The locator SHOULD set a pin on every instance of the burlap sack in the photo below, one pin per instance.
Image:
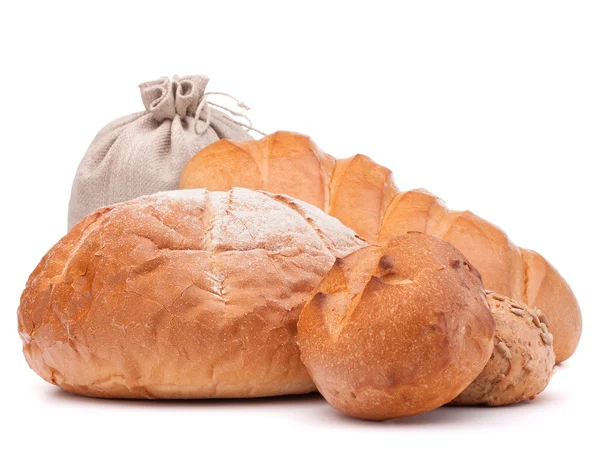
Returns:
(144, 153)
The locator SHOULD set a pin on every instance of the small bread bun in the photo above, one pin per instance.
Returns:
(522, 361)
(183, 294)
(398, 330)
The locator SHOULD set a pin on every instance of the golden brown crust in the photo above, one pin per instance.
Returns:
(231, 164)
(396, 331)
(506, 269)
(363, 196)
(545, 285)
(485, 245)
(361, 191)
(186, 294)
(291, 163)
(280, 163)
(522, 362)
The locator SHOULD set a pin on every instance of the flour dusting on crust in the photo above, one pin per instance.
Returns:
(182, 294)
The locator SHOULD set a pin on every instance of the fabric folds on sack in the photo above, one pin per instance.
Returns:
(144, 153)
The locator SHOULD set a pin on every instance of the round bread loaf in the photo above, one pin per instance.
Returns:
(184, 294)
(522, 361)
(398, 330)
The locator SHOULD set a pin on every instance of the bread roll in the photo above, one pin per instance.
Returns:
(185, 294)
(522, 361)
(363, 196)
(397, 330)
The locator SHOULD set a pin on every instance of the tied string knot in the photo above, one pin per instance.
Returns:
(204, 107)
(186, 96)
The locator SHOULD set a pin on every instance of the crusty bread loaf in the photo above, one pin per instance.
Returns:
(363, 196)
(397, 330)
(185, 294)
(522, 361)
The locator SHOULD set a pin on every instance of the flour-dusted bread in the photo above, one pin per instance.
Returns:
(362, 194)
(522, 361)
(397, 330)
(184, 294)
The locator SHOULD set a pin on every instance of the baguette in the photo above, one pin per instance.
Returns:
(362, 194)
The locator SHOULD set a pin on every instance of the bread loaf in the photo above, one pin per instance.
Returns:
(184, 294)
(363, 196)
(522, 361)
(397, 330)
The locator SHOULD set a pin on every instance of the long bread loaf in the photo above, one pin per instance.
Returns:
(362, 194)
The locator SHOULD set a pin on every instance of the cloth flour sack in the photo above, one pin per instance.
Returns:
(145, 152)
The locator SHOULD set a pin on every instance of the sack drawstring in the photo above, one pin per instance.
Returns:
(204, 106)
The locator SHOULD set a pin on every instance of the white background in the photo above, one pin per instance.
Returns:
(494, 106)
